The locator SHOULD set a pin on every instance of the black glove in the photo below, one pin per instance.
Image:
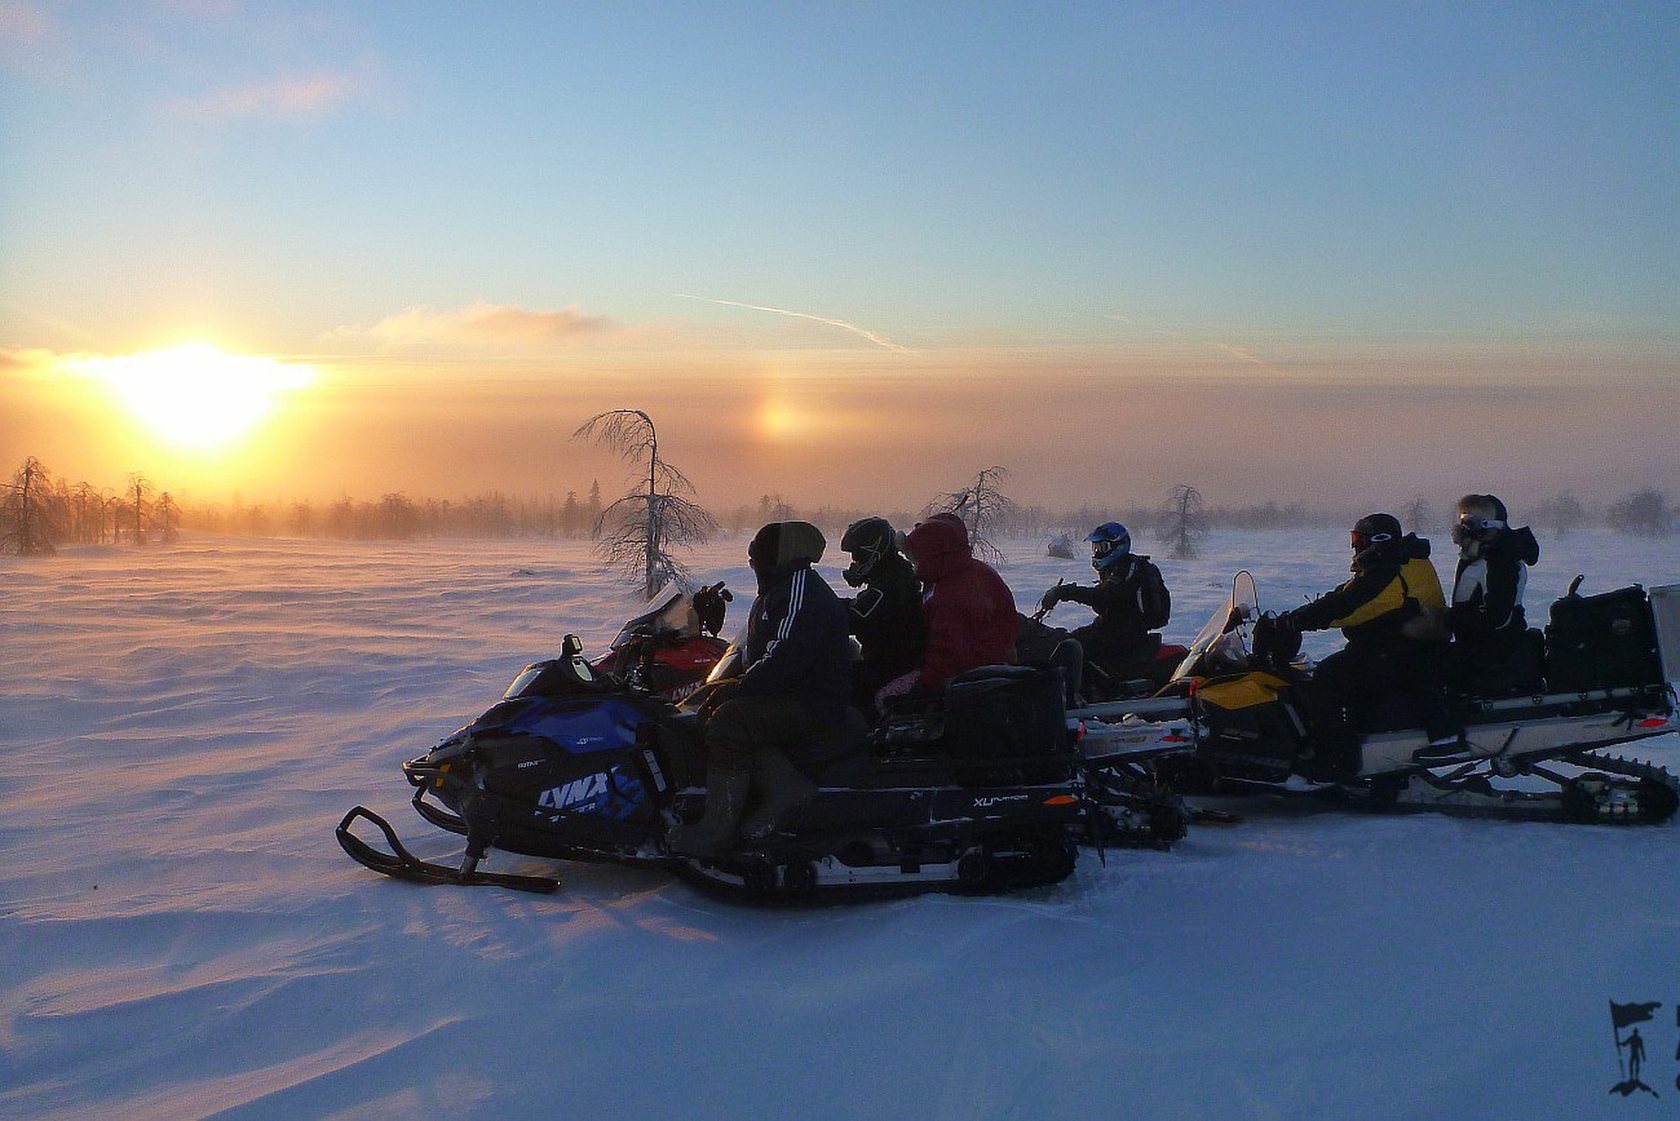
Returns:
(1052, 597)
(710, 605)
(1277, 639)
(716, 696)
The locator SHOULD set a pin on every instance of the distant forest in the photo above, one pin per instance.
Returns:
(39, 512)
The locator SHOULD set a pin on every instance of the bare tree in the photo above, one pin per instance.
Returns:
(983, 507)
(1644, 512)
(26, 523)
(1418, 515)
(636, 533)
(136, 499)
(1184, 522)
(1561, 514)
(166, 516)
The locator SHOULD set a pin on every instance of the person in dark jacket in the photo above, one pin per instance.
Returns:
(886, 614)
(1492, 645)
(790, 701)
(1393, 615)
(969, 610)
(1130, 600)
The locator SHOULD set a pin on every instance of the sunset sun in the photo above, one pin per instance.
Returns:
(196, 395)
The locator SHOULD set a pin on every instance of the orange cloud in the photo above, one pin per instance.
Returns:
(286, 97)
(480, 323)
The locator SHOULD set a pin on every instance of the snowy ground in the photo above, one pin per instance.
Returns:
(180, 936)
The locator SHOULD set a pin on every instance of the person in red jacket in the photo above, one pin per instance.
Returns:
(968, 609)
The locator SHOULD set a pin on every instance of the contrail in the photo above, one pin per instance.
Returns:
(1248, 356)
(841, 323)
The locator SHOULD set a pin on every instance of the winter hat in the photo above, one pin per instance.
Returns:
(781, 543)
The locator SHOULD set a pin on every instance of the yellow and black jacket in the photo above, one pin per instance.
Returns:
(1395, 594)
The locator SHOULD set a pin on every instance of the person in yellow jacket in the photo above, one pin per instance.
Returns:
(1390, 674)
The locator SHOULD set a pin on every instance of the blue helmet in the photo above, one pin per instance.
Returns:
(1109, 542)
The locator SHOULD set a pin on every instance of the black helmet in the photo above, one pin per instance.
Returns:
(870, 541)
(782, 543)
(1481, 517)
(1374, 529)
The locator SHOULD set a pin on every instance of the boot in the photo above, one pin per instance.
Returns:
(726, 797)
(782, 787)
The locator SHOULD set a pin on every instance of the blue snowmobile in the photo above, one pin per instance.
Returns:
(982, 792)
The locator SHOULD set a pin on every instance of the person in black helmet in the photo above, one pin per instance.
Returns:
(886, 614)
(1393, 614)
(1493, 649)
(788, 703)
(1130, 600)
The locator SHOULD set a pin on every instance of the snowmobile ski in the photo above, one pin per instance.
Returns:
(401, 864)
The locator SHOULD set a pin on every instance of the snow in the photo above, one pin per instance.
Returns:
(180, 936)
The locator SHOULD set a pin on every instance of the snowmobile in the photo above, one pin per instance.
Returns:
(1534, 756)
(1142, 673)
(574, 763)
(671, 647)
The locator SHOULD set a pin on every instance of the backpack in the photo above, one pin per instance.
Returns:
(1153, 595)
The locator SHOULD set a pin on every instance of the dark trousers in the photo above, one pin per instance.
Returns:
(1376, 686)
(745, 726)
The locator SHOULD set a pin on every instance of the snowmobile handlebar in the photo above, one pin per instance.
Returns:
(1047, 602)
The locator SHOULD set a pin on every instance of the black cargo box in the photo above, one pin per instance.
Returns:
(1604, 641)
(1005, 712)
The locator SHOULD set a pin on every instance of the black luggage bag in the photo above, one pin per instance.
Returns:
(1604, 641)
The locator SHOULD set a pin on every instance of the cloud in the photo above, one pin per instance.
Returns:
(878, 340)
(29, 363)
(24, 24)
(292, 97)
(1248, 357)
(479, 324)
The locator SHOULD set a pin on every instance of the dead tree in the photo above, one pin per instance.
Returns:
(27, 526)
(636, 533)
(166, 516)
(983, 507)
(1561, 514)
(135, 504)
(1418, 515)
(1184, 522)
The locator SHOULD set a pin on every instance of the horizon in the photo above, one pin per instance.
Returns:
(308, 250)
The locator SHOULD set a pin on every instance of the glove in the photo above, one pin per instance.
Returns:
(1277, 639)
(901, 686)
(1051, 598)
(721, 692)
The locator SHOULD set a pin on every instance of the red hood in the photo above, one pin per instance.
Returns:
(939, 546)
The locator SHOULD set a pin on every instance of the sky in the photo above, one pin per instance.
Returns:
(851, 253)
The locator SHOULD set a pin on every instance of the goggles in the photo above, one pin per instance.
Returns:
(1363, 541)
(1101, 548)
(1475, 523)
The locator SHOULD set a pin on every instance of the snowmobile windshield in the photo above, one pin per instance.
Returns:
(1221, 639)
(668, 612)
(524, 681)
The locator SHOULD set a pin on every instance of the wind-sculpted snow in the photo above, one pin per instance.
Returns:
(180, 937)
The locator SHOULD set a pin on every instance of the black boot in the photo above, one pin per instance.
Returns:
(783, 789)
(726, 797)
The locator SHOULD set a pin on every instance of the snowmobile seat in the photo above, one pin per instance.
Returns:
(1520, 671)
(845, 745)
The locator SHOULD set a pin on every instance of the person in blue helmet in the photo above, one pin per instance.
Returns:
(1130, 600)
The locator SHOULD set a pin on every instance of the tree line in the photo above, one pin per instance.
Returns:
(40, 511)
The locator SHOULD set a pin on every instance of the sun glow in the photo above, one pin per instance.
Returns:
(779, 421)
(195, 394)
